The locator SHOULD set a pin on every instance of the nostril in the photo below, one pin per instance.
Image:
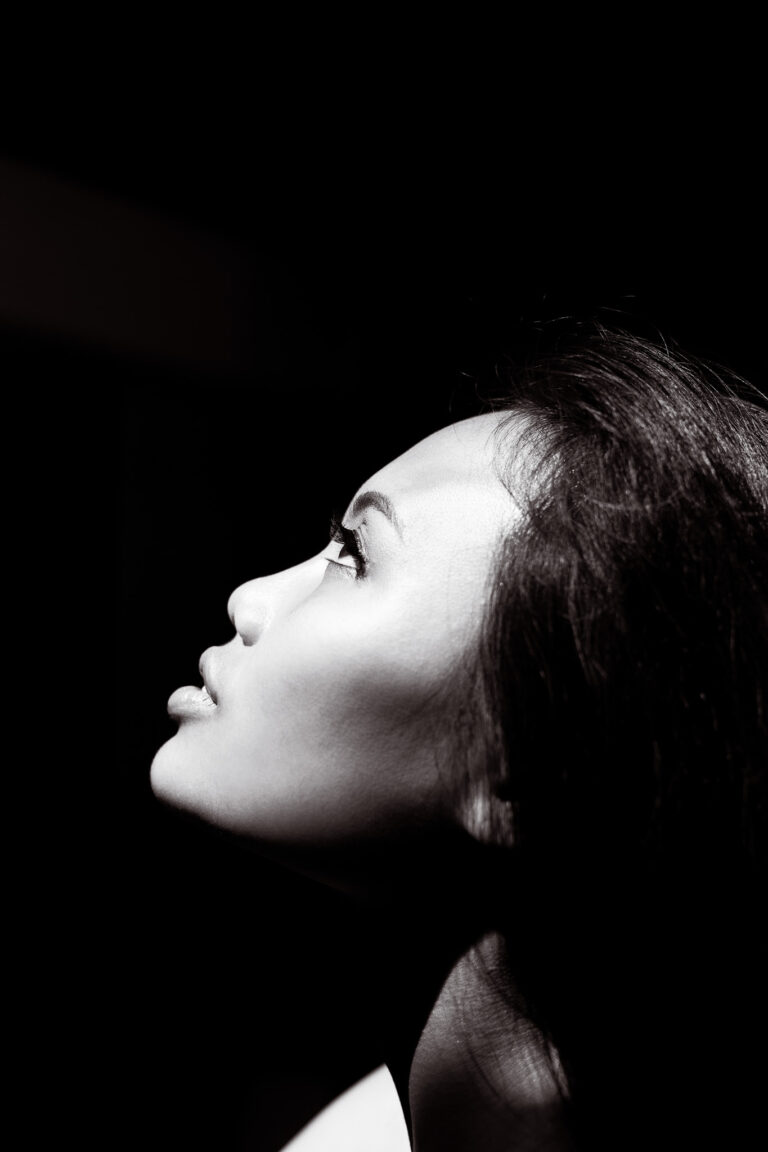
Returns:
(249, 628)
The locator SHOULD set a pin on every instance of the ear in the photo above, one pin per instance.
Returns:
(488, 814)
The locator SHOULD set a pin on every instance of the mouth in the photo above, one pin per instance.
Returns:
(191, 703)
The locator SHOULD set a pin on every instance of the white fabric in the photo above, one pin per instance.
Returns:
(365, 1118)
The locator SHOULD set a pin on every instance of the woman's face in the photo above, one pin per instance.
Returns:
(321, 737)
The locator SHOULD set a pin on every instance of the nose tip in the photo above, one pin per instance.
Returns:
(247, 611)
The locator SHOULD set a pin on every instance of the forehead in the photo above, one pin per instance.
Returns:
(463, 453)
(454, 473)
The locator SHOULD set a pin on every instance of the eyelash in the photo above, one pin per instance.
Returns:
(351, 541)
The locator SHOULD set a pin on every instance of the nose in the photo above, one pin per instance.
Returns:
(256, 604)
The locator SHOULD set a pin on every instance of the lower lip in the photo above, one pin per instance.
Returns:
(190, 704)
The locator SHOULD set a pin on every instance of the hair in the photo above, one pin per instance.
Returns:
(623, 761)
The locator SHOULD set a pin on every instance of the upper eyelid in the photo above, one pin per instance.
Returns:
(340, 563)
(357, 536)
(351, 538)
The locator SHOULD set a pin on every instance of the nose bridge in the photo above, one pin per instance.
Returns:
(254, 605)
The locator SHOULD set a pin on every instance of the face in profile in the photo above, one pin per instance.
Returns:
(319, 726)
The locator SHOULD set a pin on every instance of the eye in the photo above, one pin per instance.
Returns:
(351, 549)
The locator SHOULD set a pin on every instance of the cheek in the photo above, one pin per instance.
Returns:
(361, 662)
(332, 731)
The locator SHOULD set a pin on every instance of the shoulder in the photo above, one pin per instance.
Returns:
(365, 1118)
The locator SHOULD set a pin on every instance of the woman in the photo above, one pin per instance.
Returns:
(516, 707)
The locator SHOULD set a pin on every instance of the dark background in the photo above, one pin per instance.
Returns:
(208, 345)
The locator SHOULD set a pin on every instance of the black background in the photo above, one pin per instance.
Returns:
(193, 995)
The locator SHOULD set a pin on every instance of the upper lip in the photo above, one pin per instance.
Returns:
(205, 672)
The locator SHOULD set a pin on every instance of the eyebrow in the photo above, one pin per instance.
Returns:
(381, 503)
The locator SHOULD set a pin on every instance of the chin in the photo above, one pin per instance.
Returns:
(174, 780)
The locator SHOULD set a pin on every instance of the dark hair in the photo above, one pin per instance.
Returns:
(623, 670)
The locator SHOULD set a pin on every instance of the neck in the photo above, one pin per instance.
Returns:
(471, 1069)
